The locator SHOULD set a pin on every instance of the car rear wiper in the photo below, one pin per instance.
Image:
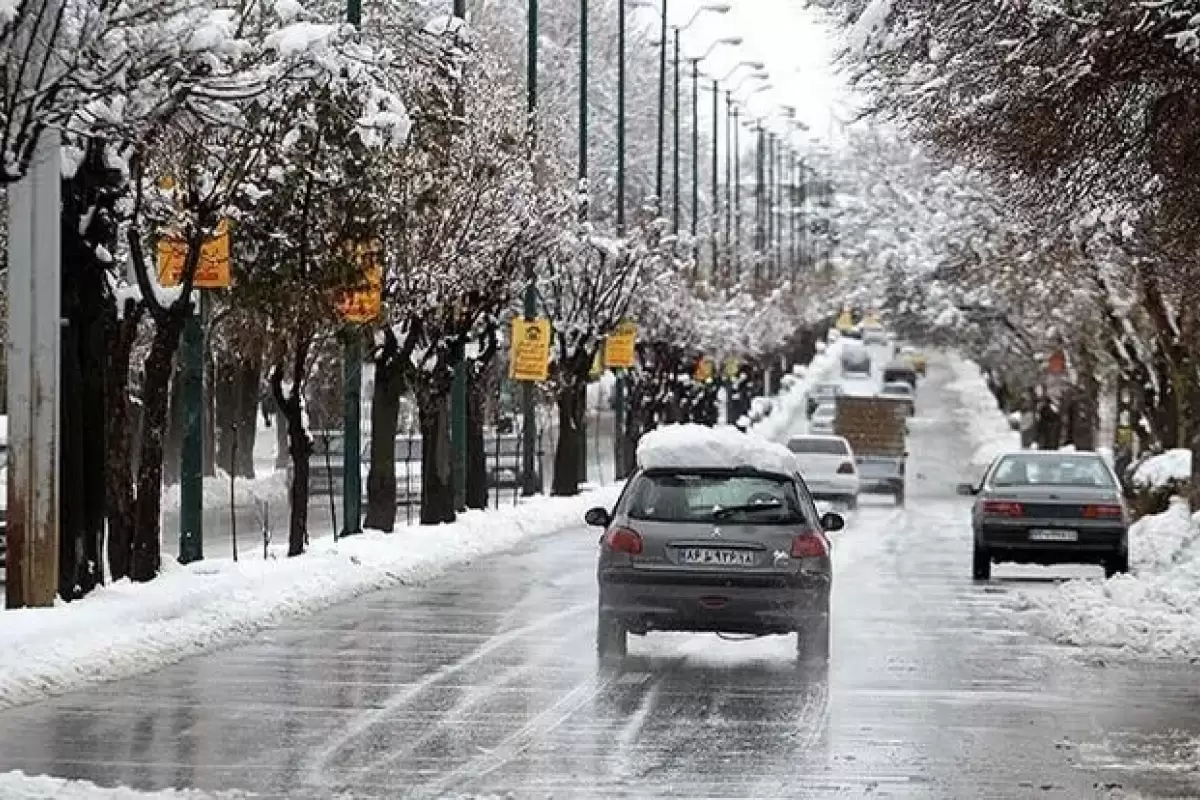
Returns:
(725, 512)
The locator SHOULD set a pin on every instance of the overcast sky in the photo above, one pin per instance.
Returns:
(793, 42)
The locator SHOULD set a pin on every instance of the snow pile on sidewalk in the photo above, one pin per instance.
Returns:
(19, 786)
(1173, 466)
(126, 629)
(272, 487)
(700, 447)
(791, 404)
(987, 426)
(1155, 610)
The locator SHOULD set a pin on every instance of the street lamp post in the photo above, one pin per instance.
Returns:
(675, 137)
(352, 358)
(531, 482)
(662, 107)
(715, 204)
(619, 421)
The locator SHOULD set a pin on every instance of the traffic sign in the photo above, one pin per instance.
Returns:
(620, 348)
(530, 352)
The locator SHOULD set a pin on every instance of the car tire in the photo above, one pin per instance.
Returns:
(812, 641)
(852, 502)
(1116, 564)
(900, 498)
(981, 564)
(611, 637)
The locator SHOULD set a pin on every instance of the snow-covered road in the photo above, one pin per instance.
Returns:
(484, 682)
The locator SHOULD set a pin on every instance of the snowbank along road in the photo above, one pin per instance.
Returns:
(485, 682)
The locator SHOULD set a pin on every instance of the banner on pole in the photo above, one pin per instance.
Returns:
(213, 268)
(364, 303)
(530, 352)
(732, 367)
(620, 348)
(704, 369)
(845, 321)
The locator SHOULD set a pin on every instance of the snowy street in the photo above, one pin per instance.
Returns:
(484, 681)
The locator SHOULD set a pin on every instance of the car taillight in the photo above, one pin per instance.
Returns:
(1103, 512)
(809, 545)
(846, 468)
(624, 540)
(1003, 508)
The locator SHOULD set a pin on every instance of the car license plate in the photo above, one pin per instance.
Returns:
(1053, 535)
(720, 558)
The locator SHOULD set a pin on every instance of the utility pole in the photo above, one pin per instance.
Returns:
(729, 186)
(662, 108)
(695, 167)
(737, 194)
(458, 385)
(34, 331)
(352, 357)
(675, 149)
(531, 481)
(759, 233)
(619, 411)
(191, 455)
(584, 189)
(715, 210)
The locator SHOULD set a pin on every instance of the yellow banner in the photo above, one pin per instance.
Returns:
(597, 366)
(530, 351)
(213, 268)
(620, 346)
(732, 367)
(845, 322)
(704, 369)
(365, 303)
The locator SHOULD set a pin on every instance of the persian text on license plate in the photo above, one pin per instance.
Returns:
(725, 558)
(1053, 535)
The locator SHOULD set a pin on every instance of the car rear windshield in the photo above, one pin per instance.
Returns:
(829, 447)
(897, 389)
(699, 496)
(1051, 471)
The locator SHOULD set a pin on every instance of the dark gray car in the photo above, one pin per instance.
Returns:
(1049, 508)
(714, 550)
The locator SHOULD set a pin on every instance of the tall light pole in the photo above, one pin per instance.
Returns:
(531, 479)
(352, 358)
(619, 415)
(733, 173)
(662, 108)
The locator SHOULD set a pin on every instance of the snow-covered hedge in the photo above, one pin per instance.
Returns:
(1155, 610)
(987, 426)
(1164, 469)
(125, 629)
(791, 404)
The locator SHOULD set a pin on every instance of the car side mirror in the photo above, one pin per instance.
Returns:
(966, 490)
(597, 517)
(832, 522)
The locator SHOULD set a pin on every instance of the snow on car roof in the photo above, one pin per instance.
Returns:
(698, 447)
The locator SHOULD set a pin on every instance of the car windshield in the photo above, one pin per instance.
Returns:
(830, 447)
(1051, 471)
(698, 497)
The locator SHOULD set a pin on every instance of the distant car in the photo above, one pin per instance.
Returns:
(901, 389)
(823, 393)
(900, 370)
(710, 548)
(874, 335)
(915, 359)
(823, 419)
(1049, 508)
(827, 466)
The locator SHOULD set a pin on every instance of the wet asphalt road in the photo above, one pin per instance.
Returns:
(485, 683)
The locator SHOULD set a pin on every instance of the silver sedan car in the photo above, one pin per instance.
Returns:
(714, 550)
(1049, 508)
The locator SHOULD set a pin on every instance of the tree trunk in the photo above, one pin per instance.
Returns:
(146, 555)
(477, 455)
(437, 496)
(173, 441)
(247, 432)
(300, 449)
(567, 455)
(209, 440)
(236, 392)
(120, 438)
(385, 418)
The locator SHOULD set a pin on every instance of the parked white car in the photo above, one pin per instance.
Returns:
(827, 466)
(823, 418)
